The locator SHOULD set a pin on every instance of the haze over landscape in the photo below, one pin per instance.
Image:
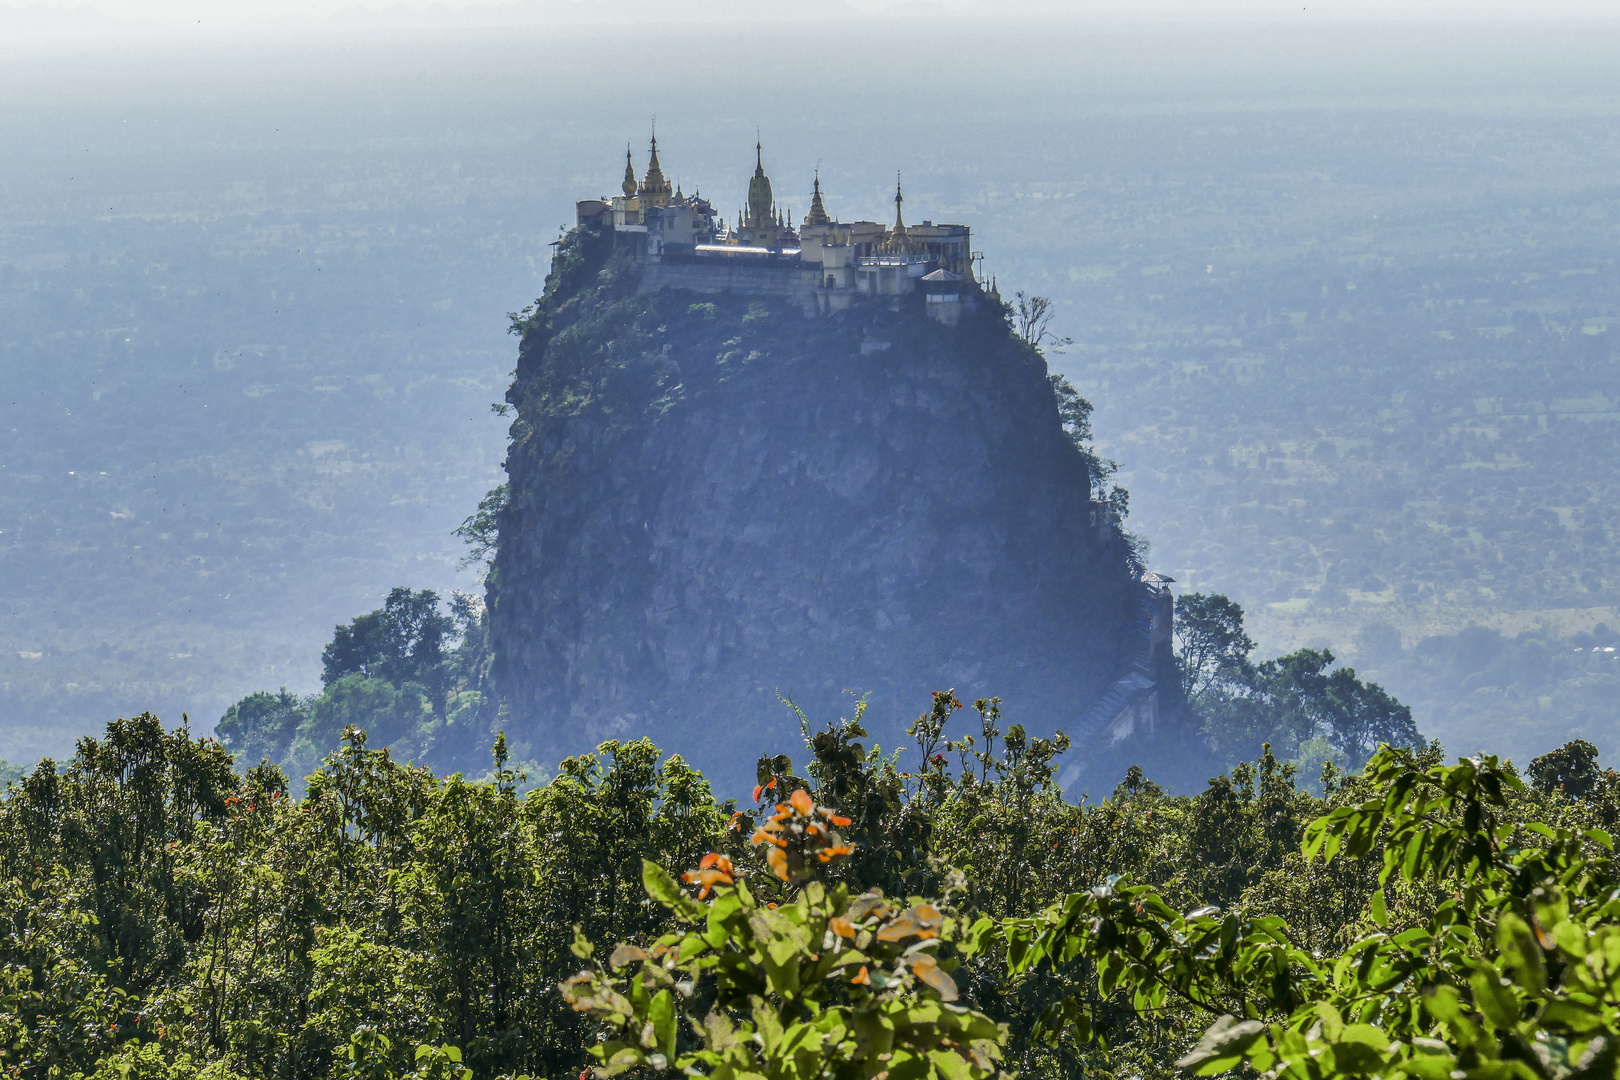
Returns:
(1342, 292)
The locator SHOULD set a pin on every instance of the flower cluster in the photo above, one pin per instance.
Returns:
(713, 870)
(801, 837)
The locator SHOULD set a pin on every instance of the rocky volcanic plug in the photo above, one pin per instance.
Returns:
(717, 499)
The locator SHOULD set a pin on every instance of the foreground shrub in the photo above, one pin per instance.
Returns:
(827, 985)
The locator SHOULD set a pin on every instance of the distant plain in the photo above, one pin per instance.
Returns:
(1346, 297)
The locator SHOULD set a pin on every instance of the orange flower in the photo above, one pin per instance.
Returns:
(715, 869)
(801, 802)
(861, 978)
(759, 789)
(708, 879)
(839, 822)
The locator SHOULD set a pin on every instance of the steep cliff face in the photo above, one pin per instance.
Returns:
(715, 499)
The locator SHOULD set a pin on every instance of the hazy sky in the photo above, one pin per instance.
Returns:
(237, 12)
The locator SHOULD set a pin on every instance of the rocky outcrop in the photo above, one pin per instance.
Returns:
(716, 500)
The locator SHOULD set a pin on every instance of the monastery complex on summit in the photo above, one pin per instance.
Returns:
(681, 242)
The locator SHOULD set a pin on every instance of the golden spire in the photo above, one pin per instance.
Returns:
(818, 212)
(629, 185)
(654, 186)
(761, 205)
(899, 236)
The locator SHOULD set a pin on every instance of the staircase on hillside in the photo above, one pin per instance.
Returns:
(1133, 696)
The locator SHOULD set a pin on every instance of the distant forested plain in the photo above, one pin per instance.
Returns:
(1346, 299)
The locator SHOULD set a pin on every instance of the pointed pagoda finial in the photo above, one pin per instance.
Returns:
(629, 185)
(761, 203)
(899, 219)
(818, 212)
(653, 185)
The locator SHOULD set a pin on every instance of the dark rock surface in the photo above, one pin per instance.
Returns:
(715, 500)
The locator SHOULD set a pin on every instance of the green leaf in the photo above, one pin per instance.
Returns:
(624, 1060)
(980, 937)
(1332, 1022)
(1502, 1070)
(1365, 1035)
(719, 1032)
(1415, 849)
(692, 945)
(768, 1026)
(1223, 1046)
(949, 1065)
(1429, 1066)
(1570, 937)
(1568, 1017)
(1315, 834)
(1494, 1000)
(1356, 1057)
(662, 888)
(1521, 953)
(1442, 1002)
(1380, 914)
(661, 1014)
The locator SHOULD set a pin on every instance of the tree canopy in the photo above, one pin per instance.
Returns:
(937, 909)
